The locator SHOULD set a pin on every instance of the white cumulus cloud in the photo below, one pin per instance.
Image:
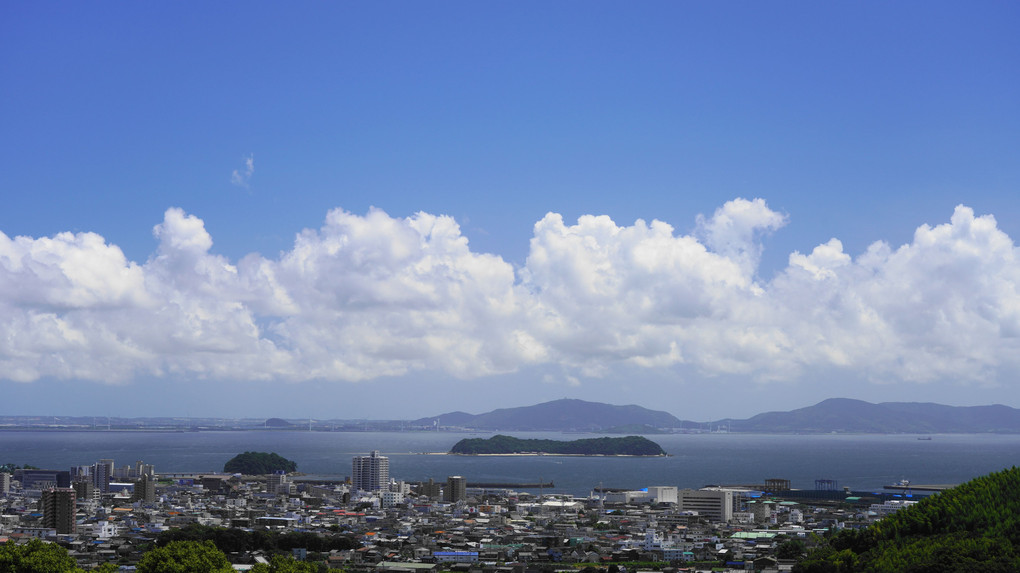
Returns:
(372, 295)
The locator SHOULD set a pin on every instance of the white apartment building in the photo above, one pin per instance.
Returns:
(371, 472)
(392, 498)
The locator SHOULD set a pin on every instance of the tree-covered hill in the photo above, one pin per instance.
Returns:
(972, 527)
(500, 444)
(258, 463)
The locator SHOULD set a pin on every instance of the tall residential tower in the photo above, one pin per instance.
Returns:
(456, 489)
(371, 472)
(59, 507)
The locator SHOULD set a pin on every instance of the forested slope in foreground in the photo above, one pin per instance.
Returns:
(972, 527)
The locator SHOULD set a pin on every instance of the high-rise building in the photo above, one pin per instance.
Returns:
(430, 489)
(5, 484)
(144, 469)
(58, 505)
(145, 489)
(456, 489)
(84, 490)
(102, 472)
(130, 473)
(81, 473)
(371, 472)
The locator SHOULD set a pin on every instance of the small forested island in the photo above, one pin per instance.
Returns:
(509, 445)
(258, 463)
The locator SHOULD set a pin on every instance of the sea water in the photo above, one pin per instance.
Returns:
(861, 462)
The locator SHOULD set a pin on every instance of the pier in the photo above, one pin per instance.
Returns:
(920, 487)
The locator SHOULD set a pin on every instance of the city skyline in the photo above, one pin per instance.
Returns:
(353, 211)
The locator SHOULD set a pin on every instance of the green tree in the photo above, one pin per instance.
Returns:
(790, 549)
(237, 540)
(36, 557)
(185, 557)
(9, 468)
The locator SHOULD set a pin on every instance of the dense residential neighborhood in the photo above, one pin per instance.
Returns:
(369, 522)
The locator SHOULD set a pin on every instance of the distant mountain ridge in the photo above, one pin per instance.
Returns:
(557, 415)
(847, 415)
(832, 415)
(566, 415)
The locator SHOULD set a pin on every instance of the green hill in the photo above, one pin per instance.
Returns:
(972, 527)
(258, 463)
(846, 415)
(498, 444)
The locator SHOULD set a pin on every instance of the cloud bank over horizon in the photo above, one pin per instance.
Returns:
(370, 296)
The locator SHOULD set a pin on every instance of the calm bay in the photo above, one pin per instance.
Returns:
(861, 462)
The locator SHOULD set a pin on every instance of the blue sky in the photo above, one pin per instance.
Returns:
(183, 148)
